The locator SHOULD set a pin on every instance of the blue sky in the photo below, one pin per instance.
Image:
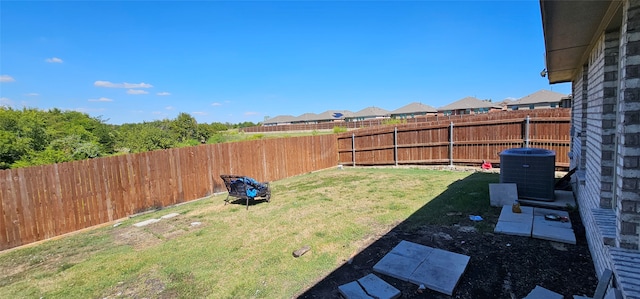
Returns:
(136, 61)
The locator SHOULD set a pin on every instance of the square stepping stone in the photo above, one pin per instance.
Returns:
(508, 215)
(541, 293)
(370, 286)
(441, 271)
(436, 269)
(551, 230)
(170, 215)
(502, 194)
(146, 222)
(517, 224)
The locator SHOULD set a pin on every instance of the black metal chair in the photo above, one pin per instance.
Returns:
(243, 187)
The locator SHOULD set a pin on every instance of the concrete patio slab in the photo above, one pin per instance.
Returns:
(168, 216)
(370, 286)
(541, 293)
(378, 288)
(518, 224)
(508, 215)
(437, 269)
(502, 194)
(552, 230)
(441, 271)
(353, 290)
(412, 250)
(522, 229)
(563, 199)
(146, 222)
(397, 266)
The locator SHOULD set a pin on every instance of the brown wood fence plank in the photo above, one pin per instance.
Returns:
(40, 190)
(100, 192)
(6, 213)
(24, 208)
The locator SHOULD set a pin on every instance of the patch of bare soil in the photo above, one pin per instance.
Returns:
(152, 234)
(501, 266)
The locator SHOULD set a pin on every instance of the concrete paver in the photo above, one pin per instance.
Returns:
(502, 194)
(353, 290)
(437, 269)
(370, 286)
(552, 230)
(541, 293)
(146, 222)
(378, 288)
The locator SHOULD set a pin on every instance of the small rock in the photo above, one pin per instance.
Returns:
(454, 214)
(442, 235)
(301, 251)
(558, 246)
(117, 224)
(196, 223)
(467, 229)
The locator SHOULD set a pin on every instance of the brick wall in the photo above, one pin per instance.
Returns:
(578, 87)
(627, 173)
(591, 83)
(608, 117)
(593, 129)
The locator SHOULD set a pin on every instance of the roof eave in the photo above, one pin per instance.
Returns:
(571, 30)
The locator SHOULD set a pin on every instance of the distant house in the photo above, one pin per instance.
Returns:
(504, 104)
(333, 116)
(307, 118)
(279, 120)
(413, 110)
(368, 113)
(542, 99)
(469, 105)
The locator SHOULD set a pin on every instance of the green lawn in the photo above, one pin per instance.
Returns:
(235, 253)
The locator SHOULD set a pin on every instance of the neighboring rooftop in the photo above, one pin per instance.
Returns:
(541, 96)
(414, 107)
(371, 111)
(469, 103)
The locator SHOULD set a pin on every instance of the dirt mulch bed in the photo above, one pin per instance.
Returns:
(501, 266)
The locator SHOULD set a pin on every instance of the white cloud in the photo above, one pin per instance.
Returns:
(53, 60)
(250, 113)
(6, 78)
(137, 91)
(101, 100)
(169, 108)
(5, 102)
(108, 84)
(216, 104)
(32, 94)
(164, 93)
(199, 113)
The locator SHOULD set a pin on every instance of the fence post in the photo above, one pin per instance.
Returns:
(353, 149)
(526, 131)
(395, 145)
(451, 144)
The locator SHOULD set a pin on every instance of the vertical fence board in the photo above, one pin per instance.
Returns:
(5, 217)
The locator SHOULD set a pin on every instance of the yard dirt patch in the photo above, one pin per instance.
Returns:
(501, 266)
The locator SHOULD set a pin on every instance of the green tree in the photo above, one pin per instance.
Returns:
(184, 127)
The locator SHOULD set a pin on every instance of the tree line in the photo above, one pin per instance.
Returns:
(32, 136)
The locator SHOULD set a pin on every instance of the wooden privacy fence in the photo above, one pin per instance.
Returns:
(46, 201)
(451, 143)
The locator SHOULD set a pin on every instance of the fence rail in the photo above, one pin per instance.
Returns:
(46, 201)
(454, 143)
(42, 202)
